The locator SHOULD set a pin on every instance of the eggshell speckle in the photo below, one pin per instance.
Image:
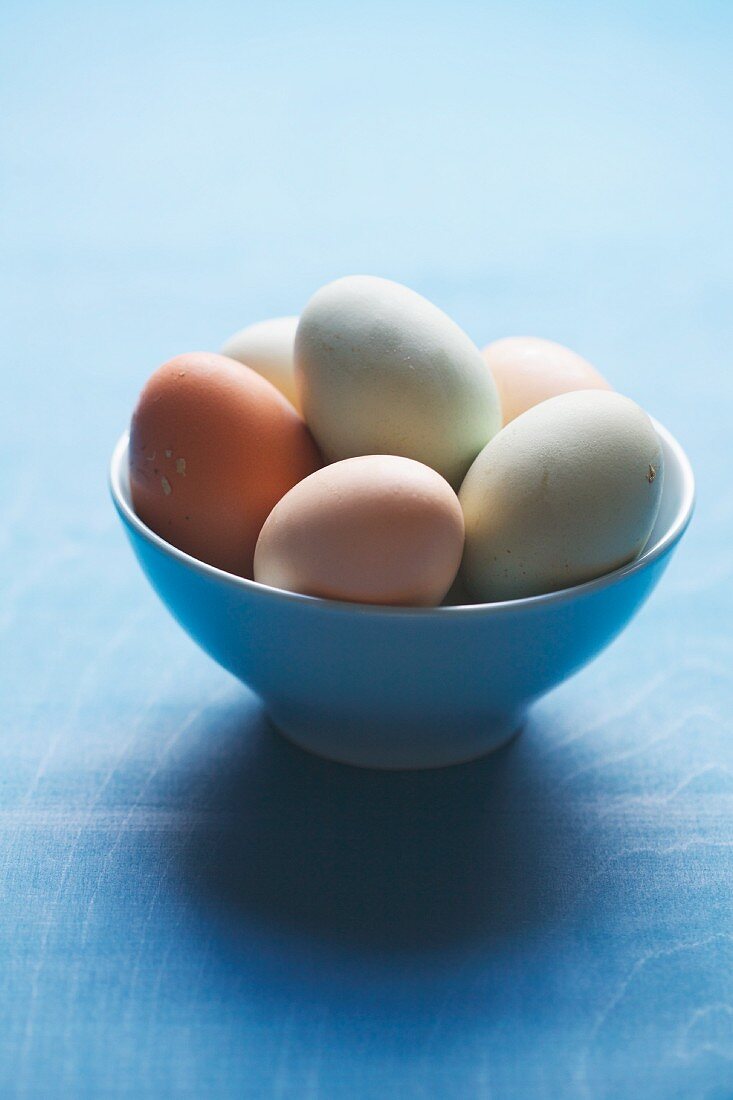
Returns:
(267, 347)
(375, 529)
(213, 447)
(566, 492)
(380, 370)
(528, 370)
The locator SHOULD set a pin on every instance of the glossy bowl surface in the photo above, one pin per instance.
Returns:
(401, 687)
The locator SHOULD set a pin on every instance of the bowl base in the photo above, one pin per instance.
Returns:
(400, 747)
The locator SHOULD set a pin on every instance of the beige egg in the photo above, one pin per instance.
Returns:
(267, 347)
(566, 492)
(527, 370)
(376, 529)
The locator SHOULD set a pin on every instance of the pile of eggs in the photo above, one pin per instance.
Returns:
(369, 452)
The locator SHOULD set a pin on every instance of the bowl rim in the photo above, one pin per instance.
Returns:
(648, 556)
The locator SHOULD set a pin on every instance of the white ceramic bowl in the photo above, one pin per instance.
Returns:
(402, 687)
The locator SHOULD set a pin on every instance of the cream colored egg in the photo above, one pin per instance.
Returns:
(375, 529)
(566, 492)
(267, 347)
(527, 370)
(380, 370)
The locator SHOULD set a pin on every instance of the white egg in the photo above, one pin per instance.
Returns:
(564, 493)
(267, 347)
(380, 370)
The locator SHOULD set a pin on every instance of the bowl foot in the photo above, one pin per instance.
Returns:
(397, 747)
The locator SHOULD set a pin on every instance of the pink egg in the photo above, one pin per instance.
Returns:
(373, 529)
(528, 370)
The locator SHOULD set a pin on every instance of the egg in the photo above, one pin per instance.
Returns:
(528, 370)
(566, 492)
(213, 447)
(267, 347)
(380, 370)
(376, 529)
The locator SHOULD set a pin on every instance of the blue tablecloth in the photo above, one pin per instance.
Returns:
(188, 906)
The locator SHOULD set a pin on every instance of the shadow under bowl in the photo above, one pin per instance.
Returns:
(390, 687)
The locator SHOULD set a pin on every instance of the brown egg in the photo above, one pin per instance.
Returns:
(213, 447)
(374, 529)
(528, 370)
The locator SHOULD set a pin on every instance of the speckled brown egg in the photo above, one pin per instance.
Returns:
(372, 529)
(213, 448)
(528, 370)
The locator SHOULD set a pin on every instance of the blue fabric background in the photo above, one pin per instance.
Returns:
(189, 907)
